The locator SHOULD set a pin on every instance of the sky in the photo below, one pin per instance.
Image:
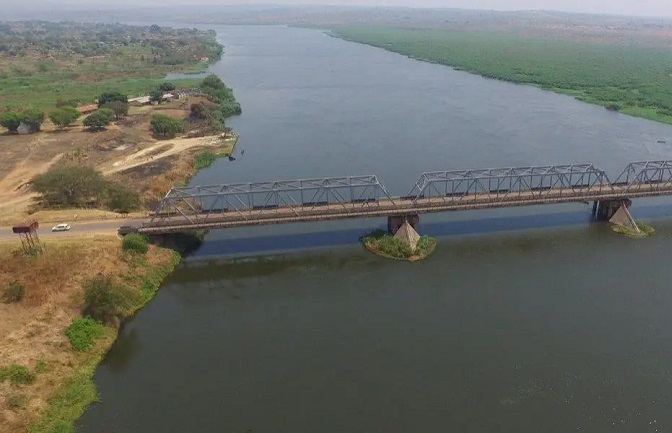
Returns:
(620, 7)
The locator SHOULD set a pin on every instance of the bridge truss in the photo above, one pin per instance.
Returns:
(503, 184)
(646, 174)
(300, 196)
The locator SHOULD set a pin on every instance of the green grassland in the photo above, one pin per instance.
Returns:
(42, 62)
(634, 79)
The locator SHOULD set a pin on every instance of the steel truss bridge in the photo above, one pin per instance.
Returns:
(303, 200)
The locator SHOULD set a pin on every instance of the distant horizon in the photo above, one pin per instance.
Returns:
(624, 8)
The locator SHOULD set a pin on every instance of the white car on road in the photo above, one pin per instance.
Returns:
(61, 228)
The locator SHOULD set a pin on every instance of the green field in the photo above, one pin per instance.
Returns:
(633, 79)
(42, 62)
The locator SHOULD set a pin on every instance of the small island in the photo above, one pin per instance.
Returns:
(405, 244)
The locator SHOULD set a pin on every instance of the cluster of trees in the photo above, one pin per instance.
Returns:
(163, 126)
(32, 118)
(222, 104)
(81, 186)
(111, 106)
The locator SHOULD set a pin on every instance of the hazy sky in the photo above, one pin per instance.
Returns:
(620, 7)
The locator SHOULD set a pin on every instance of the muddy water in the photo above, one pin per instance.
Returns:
(526, 320)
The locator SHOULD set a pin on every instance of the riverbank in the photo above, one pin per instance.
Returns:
(60, 386)
(630, 78)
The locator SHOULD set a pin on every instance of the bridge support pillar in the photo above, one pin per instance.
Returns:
(604, 210)
(394, 222)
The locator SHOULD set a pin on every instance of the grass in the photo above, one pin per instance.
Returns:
(17, 375)
(206, 158)
(386, 245)
(83, 333)
(635, 79)
(33, 333)
(645, 230)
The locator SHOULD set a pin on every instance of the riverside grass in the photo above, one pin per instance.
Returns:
(71, 400)
(634, 79)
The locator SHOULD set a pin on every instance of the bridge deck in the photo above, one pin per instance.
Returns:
(396, 206)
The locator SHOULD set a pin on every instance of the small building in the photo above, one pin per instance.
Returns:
(140, 101)
(87, 109)
(167, 97)
(204, 59)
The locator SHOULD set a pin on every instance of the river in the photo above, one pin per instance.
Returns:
(524, 320)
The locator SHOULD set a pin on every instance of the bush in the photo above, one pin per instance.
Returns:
(99, 119)
(613, 107)
(17, 375)
(16, 401)
(14, 292)
(105, 301)
(110, 97)
(33, 118)
(65, 116)
(118, 108)
(83, 333)
(122, 199)
(135, 242)
(167, 87)
(11, 120)
(166, 127)
(71, 186)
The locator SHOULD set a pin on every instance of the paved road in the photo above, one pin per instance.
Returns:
(82, 228)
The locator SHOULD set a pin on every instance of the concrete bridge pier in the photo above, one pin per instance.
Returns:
(605, 209)
(394, 222)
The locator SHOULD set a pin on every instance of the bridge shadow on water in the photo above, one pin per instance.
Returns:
(303, 241)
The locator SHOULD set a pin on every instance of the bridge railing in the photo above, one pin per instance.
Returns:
(510, 184)
(649, 175)
(248, 200)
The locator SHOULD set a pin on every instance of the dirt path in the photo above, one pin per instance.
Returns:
(162, 150)
(14, 188)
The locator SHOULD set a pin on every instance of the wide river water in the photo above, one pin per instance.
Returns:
(524, 320)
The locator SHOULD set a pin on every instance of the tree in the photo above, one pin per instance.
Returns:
(156, 95)
(122, 199)
(11, 120)
(33, 118)
(60, 103)
(112, 96)
(98, 120)
(119, 108)
(167, 87)
(65, 116)
(166, 127)
(69, 186)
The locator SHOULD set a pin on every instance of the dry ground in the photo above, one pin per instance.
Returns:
(124, 147)
(34, 330)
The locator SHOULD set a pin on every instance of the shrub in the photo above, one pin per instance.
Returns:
(41, 366)
(120, 198)
(33, 118)
(105, 301)
(16, 401)
(11, 120)
(166, 127)
(613, 107)
(65, 116)
(17, 375)
(14, 292)
(110, 97)
(83, 333)
(120, 109)
(167, 87)
(135, 242)
(70, 186)
(98, 120)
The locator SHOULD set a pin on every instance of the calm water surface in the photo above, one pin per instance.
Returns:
(561, 328)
